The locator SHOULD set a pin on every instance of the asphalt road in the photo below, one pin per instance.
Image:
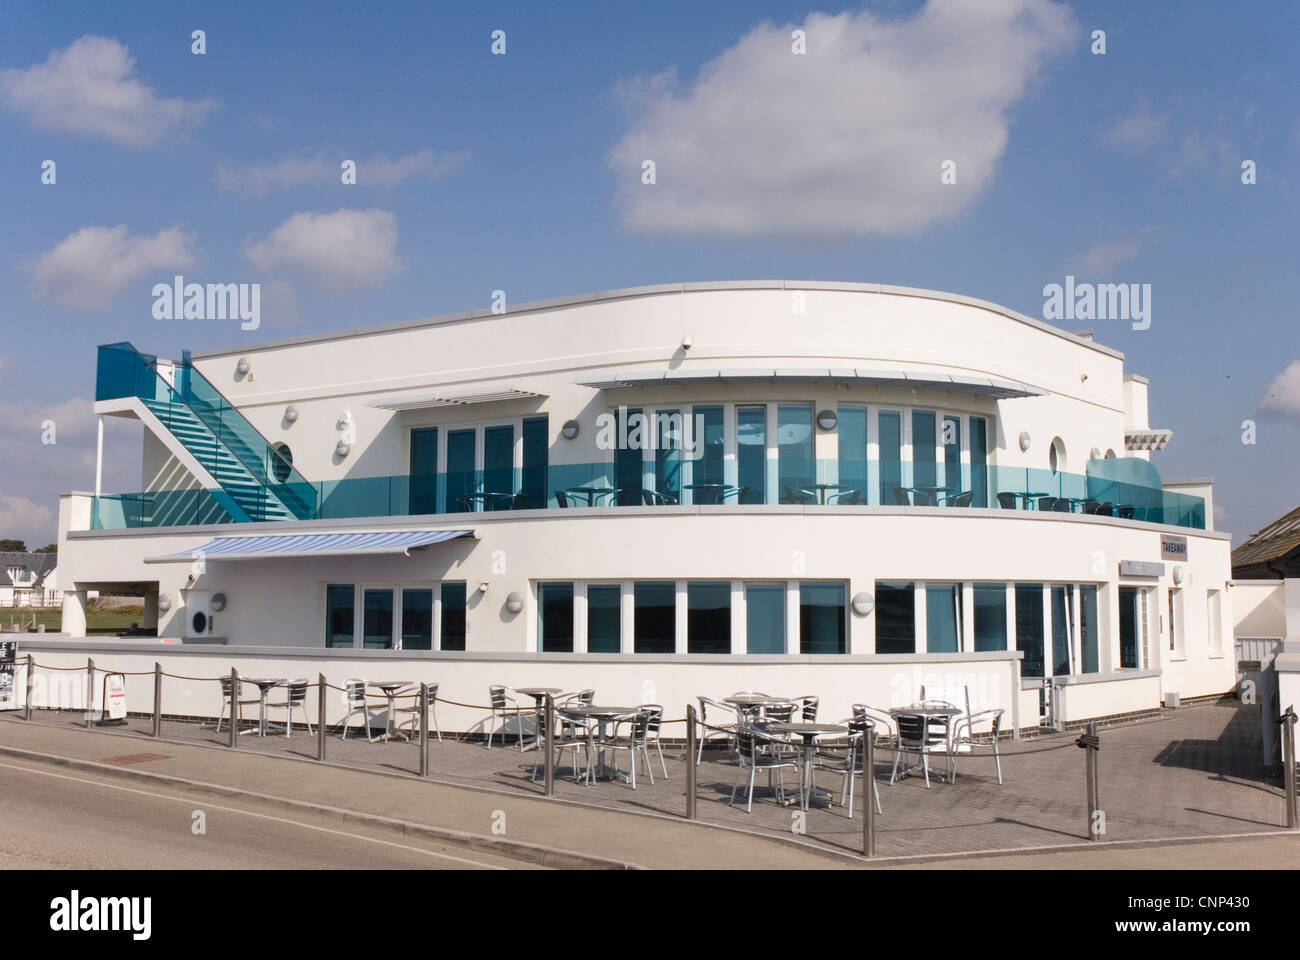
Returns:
(56, 818)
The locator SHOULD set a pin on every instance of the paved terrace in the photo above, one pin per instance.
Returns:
(1191, 772)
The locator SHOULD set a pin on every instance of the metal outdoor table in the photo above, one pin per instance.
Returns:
(928, 712)
(809, 732)
(754, 703)
(824, 488)
(390, 688)
(488, 498)
(539, 695)
(709, 493)
(590, 493)
(1031, 497)
(264, 686)
(603, 716)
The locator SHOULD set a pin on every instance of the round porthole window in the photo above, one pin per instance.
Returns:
(281, 462)
(1056, 455)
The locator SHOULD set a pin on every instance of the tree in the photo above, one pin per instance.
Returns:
(48, 548)
(13, 546)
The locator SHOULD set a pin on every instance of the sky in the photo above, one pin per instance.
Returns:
(522, 171)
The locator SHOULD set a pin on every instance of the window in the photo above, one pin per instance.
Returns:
(751, 453)
(377, 619)
(990, 600)
(765, 617)
(340, 611)
(628, 460)
(453, 617)
(1056, 455)
(1029, 627)
(708, 466)
(891, 456)
(281, 462)
(424, 470)
(942, 617)
(461, 481)
(668, 453)
(499, 462)
(604, 618)
(708, 617)
(895, 617)
(417, 619)
(1213, 623)
(822, 618)
(852, 437)
(1129, 645)
(1175, 623)
(923, 451)
(537, 446)
(1088, 628)
(796, 470)
(1062, 628)
(952, 454)
(979, 462)
(555, 617)
(655, 616)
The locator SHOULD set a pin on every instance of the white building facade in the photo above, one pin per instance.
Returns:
(663, 492)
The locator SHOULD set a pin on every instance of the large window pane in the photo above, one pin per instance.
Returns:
(424, 470)
(979, 461)
(710, 433)
(460, 469)
(891, 457)
(895, 617)
(942, 617)
(417, 619)
(340, 614)
(537, 448)
(751, 453)
(555, 617)
(604, 618)
(708, 617)
(499, 465)
(629, 458)
(377, 622)
(453, 617)
(1088, 628)
(765, 617)
(1062, 628)
(668, 453)
(1128, 627)
(794, 451)
(822, 618)
(952, 454)
(1029, 627)
(852, 437)
(990, 616)
(655, 620)
(924, 471)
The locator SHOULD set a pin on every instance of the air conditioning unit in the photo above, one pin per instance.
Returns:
(198, 614)
(1171, 700)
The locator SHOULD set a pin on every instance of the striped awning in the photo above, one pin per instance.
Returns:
(260, 547)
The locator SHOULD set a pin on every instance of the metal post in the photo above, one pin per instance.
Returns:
(320, 716)
(1091, 745)
(234, 707)
(157, 699)
(869, 792)
(549, 746)
(424, 729)
(692, 745)
(90, 689)
(1288, 721)
(31, 668)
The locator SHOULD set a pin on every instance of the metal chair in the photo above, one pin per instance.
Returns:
(886, 728)
(808, 705)
(752, 748)
(1007, 500)
(1047, 503)
(901, 498)
(655, 713)
(653, 498)
(295, 699)
(843, 754)
(239, 704)
(414, 711)
(633, 742)
(354, 694)
(503, 706)
(964, 736)
(726, 729)
(575, 733)
(916, 735)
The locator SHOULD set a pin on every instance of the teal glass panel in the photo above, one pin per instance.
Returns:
(794, 452)
(891, 457)
(555, 617)
(711, 434)
(1088, 628)
(537, 451)
(708, 616)
(942, 617)
(751, 453)
(924, 471)
(851, 433)
(655, 618)
(765, 617)
(424, 470)
(604, 618)
(461, 451)
(498, 467)
(629, 458)
(417, 619)
(990, 601)
(340, 614)
(952, 455)
(979, 462)
(822, 618)
(668, 454)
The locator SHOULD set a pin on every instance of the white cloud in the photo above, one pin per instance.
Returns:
(847, 139)
(1283, 394)
(91, 88)
(321, 169)
(1101, 257)
(92, 267)
(338, 252)
(23, 519)
(1141, 128)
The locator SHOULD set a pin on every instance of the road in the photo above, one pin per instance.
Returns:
(56, 818)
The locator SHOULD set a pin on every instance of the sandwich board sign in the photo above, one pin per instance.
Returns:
(113, 709)
(8, 661)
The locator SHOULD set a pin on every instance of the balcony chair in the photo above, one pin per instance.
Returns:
(1007, 500)
(561, 498)
(963, 731)
(414, 711)
(1105, 509)
(901, 497)
(295, 699)
(1063, 506)
(1047, 503)
(1126, 512)
(962, 499)
(790, 496)
(854, 497)
(725, 722)
(239, 704)
(503, 707)
(758, 751)
(846, 754)
(654, 498)
(354, 695)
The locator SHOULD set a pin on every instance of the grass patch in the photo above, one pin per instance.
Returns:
(98, 623)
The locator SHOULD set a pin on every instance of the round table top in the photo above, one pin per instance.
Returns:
(599, 711)
(925, 711)
(385, 684)
(808, 729)
(755, 699)
(537, 691)
(264, 681)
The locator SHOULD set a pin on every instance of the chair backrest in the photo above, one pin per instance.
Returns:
(808, 705)
(355, 692)
(719, 706)
(1125, 512)
(1063, 506)
(225, 687)
(901, 498)
(781, 712)
(1046, 503)
(561, 498)
(911, 730)
(1090, 506)
(519, 501)
(497, 696)
(587, 697)
(433, 691)
(1105, 509)
(654, 716)
(1007, 500)
(854, 497)
(963, 499)
(297, 692)
(957, 695)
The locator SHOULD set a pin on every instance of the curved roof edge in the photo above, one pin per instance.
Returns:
(659, 290)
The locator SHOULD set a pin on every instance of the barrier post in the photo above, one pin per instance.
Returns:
(90, 689)
(868, 792)
(1091, 745)
(424, 729)
(1288, 722)
(320, 716)
(157, 699)
(31, 668)
(548, 745)
(234, 708)
(692, 744)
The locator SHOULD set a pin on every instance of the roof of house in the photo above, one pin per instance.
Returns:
(1275, 541)
(38, 563)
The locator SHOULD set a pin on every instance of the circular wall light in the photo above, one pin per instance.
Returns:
(164, 603)
(570, 429)
(1024, 440)
(342, 448)
(1094, 454)
(863, 603)
(218, 602)
(827, 419)
(242, 367)
(687, 342)
(514, 603)
(291, 414)
(1179, 575)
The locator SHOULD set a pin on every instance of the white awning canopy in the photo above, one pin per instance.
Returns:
(451, 398)
(1147, 438)
(917, 379)
(260, 547)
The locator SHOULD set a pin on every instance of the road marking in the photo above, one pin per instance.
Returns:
(250, 813)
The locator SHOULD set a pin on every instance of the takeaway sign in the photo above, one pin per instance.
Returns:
(1173, 548)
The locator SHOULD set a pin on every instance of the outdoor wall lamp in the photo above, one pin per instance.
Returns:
(217, 603)
(863, 603)
(1094, 454)
(164, 603)
(570, 429)
(242, 367)
(482, 586)
(1179, 575)
(687, 342)
(291, 414)
(827, 419)
(342, 448)
(1024, 440)
(514, 603)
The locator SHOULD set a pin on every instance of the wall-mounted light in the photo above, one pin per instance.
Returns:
(217, 602)
(827, 419)
(514, 603)
(291, 414)
(483, 586)
(1094, 454)
(863, 603)
(342, 449)
(570, 429)
(1083, 377)
(1024, 440)
(164, 603)
(242, 367)
(1179, 575)
(687, 342)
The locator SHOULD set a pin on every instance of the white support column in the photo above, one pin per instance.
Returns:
(74, 613)
(579, 618)
(99, 456)
(739, 618)
(967, 639)
(792, 641)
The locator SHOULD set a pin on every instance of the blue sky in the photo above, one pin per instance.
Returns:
(513, 172)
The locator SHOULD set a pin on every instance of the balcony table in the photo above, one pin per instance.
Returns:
(590, 493)
(264, 686)
(1031, 498)
(824, 488)
(487, 498)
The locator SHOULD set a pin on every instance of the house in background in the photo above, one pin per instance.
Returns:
(29, 580)
(1272, 553)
